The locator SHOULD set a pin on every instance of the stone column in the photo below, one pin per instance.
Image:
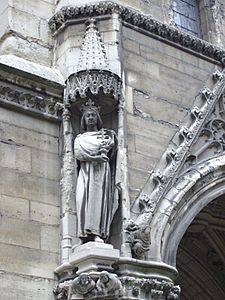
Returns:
(68, 183)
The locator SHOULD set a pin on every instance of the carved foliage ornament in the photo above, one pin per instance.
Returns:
(35, 103)
(140, 20)
(150, 288)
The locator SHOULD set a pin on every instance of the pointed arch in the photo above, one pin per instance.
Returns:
(192, 192)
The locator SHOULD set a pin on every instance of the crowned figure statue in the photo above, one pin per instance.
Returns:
(95, 149)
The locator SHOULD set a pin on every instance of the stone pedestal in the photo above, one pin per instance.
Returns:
(94, 257)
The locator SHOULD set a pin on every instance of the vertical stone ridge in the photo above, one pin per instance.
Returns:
(92, 51)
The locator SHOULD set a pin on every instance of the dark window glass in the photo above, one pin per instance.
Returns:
(186, 16)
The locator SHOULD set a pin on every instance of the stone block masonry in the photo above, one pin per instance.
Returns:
(29, 205)
(162, 82)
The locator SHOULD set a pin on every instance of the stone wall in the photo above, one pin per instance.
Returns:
(162, 83)
(161, 80)
(29, 206)
(24, 29)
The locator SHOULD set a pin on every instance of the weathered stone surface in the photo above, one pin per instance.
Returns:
(20, 232)
(14, 207)
(28, 261)
(28, 137)
(41, 8)
(140, 161)
(15, 157)
(28, 122)
(150, 108)
(45, 165)
(4, 19)
(25, 287)
(44, 213)
(20, 63)
(137, 178)
(18, 46)
(29, 187)
(50, 238)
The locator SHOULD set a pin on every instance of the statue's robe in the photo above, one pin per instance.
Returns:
(94, 192)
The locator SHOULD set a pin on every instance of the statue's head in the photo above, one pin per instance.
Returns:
(104, 277)
(84, 279)
(90, 116)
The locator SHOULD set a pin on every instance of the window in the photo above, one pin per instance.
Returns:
(186, 16)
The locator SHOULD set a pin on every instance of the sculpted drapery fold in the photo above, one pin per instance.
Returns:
(95, 151)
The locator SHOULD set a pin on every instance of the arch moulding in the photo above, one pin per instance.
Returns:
(192, 192)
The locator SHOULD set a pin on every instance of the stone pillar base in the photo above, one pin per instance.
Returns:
(94, 257)
(98, 272)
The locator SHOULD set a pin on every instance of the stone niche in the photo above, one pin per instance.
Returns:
(104, 254)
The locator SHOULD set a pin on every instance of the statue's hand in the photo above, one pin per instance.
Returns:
(101, 158)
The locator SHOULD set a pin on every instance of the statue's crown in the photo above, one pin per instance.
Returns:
(89, 105)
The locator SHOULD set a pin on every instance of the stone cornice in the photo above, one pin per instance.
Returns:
(25, 100)
(141, 21)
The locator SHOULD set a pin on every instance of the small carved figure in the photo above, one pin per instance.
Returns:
(61, 291)
(95, 149)
(108, 283)
(83, 284)
(139, 239)
(174, 293)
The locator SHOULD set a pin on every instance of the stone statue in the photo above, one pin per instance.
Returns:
(95, 150)
(108, 283)
(174, 293)
(83, 284)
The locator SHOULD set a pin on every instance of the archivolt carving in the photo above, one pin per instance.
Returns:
(193, 191)
(211, 142)
(205, 120)
(138, 19)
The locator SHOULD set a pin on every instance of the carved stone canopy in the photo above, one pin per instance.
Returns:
(86, 83)
(93, 75)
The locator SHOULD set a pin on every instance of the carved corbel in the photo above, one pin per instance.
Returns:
(108, 284)
(91, 286)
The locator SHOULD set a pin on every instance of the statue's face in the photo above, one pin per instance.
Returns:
(104, 278)
(91, 117)
(84, 279)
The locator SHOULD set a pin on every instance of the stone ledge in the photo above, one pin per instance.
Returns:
(140, 21)
(29, 87)
(42, 72)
